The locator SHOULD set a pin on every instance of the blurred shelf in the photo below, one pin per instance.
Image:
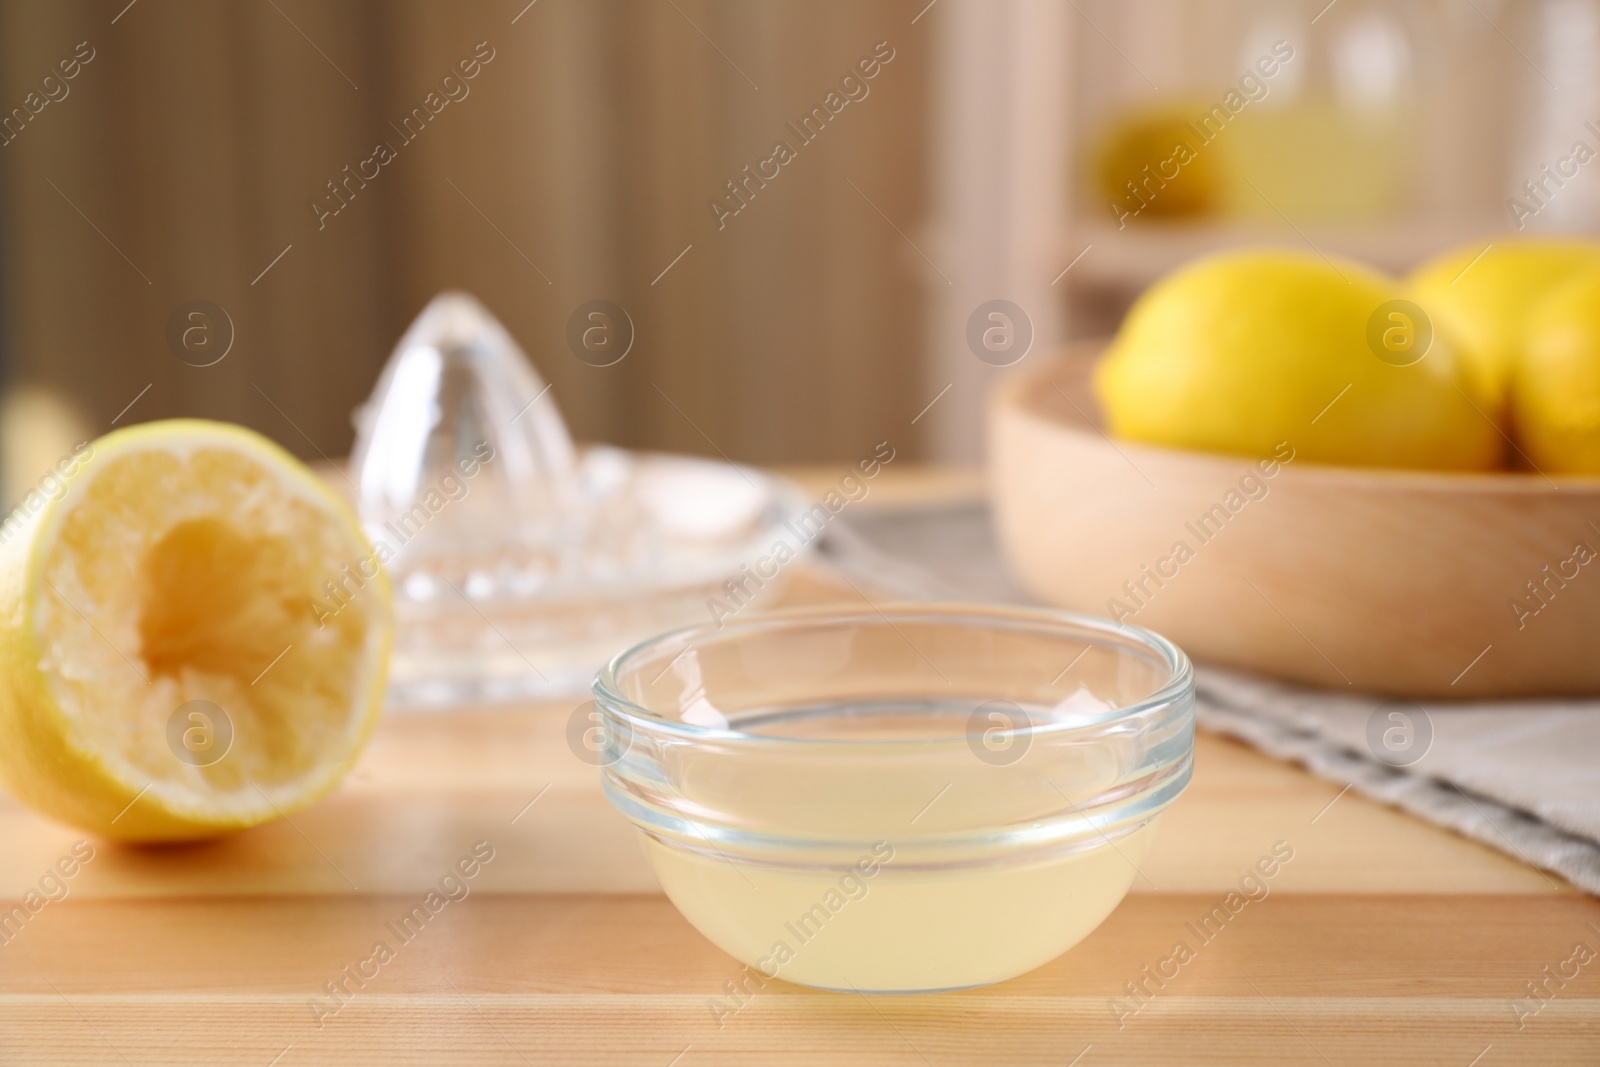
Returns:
(1134, 257)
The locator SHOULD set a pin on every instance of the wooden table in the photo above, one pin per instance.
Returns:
(1385, 940)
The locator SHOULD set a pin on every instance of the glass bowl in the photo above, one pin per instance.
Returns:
(906, 799)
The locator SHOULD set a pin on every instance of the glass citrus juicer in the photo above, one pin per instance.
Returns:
(519, 561)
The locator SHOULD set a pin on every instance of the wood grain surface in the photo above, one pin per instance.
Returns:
(1384, 941)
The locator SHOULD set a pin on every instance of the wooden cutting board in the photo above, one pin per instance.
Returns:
(1384, 940)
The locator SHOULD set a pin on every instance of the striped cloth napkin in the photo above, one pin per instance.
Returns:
(1520, 776)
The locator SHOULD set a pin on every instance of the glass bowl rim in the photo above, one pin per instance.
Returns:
(1179, 682)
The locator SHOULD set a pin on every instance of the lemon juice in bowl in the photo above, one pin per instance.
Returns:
(933, 798)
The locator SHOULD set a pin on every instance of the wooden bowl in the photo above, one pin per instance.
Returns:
(1419, 584)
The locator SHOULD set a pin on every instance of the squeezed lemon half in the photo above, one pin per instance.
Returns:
(194, 636)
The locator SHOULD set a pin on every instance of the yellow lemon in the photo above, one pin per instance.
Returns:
(1555, 389)
(172, 664)
(1482, 298)
(1244, 351)
(1151, 164)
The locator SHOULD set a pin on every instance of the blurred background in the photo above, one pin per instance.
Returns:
(309, 174)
